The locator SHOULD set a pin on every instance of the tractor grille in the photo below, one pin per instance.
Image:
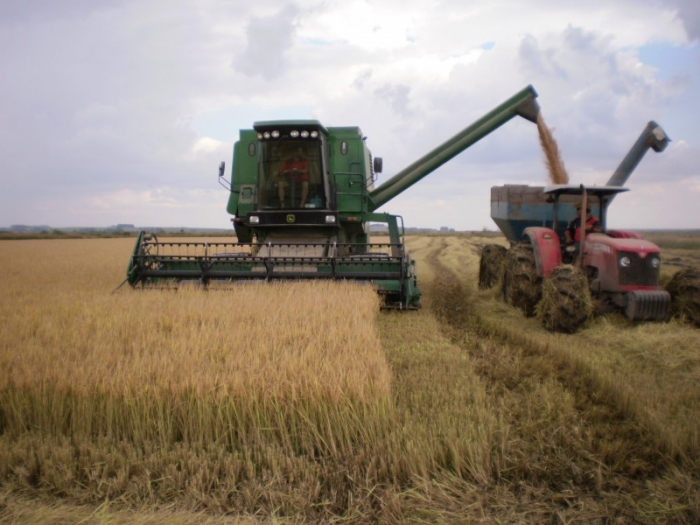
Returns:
(640, 271)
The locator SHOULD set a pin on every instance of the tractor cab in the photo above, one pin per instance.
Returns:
(564, 199)
(515, 207)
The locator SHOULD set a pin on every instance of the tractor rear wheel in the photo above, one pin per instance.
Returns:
(491, 265)
(684, 288)
(521, 284)
(566, 300)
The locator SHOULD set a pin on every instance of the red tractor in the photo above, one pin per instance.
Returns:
(617, 270)
(620, 269)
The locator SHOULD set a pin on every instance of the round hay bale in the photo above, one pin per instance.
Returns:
(566, 300)
(684, 288)
(491, 265)
(521, 284)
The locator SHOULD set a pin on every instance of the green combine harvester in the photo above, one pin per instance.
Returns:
(302, 198)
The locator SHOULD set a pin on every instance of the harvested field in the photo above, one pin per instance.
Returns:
(684, 286)
(304, 404)
(491, 265)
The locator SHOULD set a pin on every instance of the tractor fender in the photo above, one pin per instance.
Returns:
(546, 247)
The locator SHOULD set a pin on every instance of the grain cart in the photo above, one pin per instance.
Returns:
(302, 198)
(619, 268)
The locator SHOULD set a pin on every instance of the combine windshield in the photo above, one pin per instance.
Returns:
(290, 175)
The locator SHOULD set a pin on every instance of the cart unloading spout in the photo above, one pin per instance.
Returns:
(529, 109)
(523, 104)
(653, 137)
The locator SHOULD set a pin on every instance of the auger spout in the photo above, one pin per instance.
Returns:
(653, 137)
(523, 104)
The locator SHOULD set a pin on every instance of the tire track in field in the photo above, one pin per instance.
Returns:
(562, 436)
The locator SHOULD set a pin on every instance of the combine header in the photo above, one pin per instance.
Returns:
(302, 198)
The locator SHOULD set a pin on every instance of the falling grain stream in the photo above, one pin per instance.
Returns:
(555, 165)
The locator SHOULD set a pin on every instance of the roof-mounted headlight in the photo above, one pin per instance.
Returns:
(266, 134)
(275, 134)
(294, 133)
(260, 136)
(304, 134)
(314, 134)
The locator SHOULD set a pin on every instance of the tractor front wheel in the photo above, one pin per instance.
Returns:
(684, 288)
(521, 284)
(566, 300)
(491, 265)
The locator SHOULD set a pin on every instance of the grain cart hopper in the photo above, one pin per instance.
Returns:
(621, 269)
(303, 197)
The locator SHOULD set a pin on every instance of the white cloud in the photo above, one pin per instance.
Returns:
(128, 199)
(101, 99)
(207, 144)
(268, 39)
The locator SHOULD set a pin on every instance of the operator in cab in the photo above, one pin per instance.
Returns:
(591, 223)
(294, 170)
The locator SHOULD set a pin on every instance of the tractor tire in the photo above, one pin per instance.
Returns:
(684, 288)
(521, 284)
(491, 265)
(566, 300)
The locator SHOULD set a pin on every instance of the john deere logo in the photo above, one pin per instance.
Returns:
(291, 218)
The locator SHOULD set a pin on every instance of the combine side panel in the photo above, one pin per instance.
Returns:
(347, 169)
(244, 174)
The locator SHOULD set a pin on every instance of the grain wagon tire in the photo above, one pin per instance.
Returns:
(491, 265)
(566, 300)
(521, 284)
(684, 288)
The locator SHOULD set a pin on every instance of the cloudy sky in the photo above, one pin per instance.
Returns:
(120, 111)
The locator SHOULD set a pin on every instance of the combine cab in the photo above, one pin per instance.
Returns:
(302, 198)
